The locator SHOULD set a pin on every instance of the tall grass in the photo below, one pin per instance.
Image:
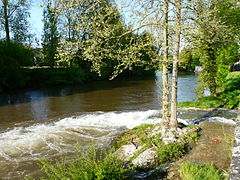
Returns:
(89, 165)
(191, 171)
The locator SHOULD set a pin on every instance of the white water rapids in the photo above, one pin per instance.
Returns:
(22, 146)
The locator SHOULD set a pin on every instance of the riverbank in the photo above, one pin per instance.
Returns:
(138, 154)
(19, 78)
(227, 98)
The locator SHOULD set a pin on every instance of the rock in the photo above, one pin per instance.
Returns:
(185, 131)
(126, 152)
(236, 67)
(170, 137)
(145, 159)
(198, 69)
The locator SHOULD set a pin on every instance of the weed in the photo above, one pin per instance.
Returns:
(89, 165)
(191, 171)
(170, 152)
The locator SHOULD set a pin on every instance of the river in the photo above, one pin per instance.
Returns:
(50, 122)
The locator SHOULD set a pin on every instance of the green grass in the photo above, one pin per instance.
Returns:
(90, 165)
(192, 171)
(140, 133)
(170, 152)
(232, 81)
(165, 153)
(228, 98)
(203, 103)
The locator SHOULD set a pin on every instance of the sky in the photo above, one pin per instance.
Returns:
(36, 19)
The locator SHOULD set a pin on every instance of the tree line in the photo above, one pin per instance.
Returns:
(93, 35)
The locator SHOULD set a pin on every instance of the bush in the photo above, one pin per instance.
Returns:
(191, 171)
(14, 55)
(232, 81)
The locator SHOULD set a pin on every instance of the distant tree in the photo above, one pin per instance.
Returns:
(50, 38)
(14, 14)
(20, 25)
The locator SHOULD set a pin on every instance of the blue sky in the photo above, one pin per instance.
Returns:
(36, 19)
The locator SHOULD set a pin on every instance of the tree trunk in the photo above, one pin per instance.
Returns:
(6, 22)
(165, 95)
(173, 120)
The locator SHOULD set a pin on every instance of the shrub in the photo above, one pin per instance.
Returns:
(90, 165)
(191, 171)
(170, 152)
(232, 81)
(14, 55)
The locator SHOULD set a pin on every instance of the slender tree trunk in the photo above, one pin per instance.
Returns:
(165, 95)
(6, 22)
(173, 119)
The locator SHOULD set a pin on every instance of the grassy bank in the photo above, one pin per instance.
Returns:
(192, 171)
(90, 164)
(228, 98)
(142, 137)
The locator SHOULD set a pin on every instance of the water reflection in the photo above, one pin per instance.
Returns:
(118, 95)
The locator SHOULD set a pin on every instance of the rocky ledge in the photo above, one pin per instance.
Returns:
(150, 146)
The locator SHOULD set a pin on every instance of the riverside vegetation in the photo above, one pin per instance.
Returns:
(97, 164)
(80, 34)
(91, 165)
(228, 97)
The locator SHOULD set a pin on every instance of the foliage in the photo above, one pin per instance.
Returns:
(212, 34)
(225, 99)
(189, 59)
(228, 98)
(41, 77)
(141, 135)
(14, 55)
(90, 165)
(13, 78)
(50, 34)
(20, 24)
(191, 171)
(232, 81)
(139, 131)
(100, 40)
(226, 57)
(173, 151)
(203, 102)
(14, 16)
(191, 137)
(170, 152)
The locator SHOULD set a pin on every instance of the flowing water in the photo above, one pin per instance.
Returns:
(50, 122)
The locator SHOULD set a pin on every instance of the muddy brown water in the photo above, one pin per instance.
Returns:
(50, 122)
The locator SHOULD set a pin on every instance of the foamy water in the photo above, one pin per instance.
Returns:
(57, 138)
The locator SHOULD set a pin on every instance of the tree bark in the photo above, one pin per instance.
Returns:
(165, 95)
(6, 21)
(173, 119)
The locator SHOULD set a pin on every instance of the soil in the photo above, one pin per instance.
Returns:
(214, 146)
